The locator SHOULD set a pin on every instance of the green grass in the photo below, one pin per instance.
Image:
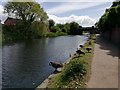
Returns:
(76, 73)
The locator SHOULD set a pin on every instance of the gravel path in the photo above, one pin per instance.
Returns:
(104, 69)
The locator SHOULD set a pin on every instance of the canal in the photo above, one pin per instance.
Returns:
(25, 64)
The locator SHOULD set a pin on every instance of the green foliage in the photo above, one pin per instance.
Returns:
(74, 27)
(55, 29)
(32, 21)
(69, 28)
(73, 69)
(59, 33)
(52, 34)
(27, 11)
(51, 23)
(110, 19)
(39, 29)
(63, 27)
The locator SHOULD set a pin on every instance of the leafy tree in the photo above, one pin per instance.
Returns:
(51, 23)
(62, 27)
(30, 14)
(74, 27)
(39, 29)
(67, 28)
(27, 11)
(55, 29)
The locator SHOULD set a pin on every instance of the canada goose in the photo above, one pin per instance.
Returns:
(88, 49)
(79, 52)
(55, 65)
(81, 46)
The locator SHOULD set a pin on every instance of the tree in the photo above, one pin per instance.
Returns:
(62, 27)
(74, 27)
(40, 29)
(26, 11)
(51, 23)
(30, 14)
(55, 29)
(110, 19)
(67, 28)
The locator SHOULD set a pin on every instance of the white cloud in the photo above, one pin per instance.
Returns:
(1, 9)
(2, 15)
(81, 20)
(67, 7)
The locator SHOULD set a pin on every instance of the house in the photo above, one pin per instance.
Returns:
(10, 21)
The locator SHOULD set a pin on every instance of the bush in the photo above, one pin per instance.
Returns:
(52, 34)
(74, 69)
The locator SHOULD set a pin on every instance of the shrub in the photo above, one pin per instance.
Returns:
(74, 69)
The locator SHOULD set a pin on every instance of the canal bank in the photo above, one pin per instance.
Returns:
(54, 80)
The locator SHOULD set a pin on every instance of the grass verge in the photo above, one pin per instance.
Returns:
(76, 73)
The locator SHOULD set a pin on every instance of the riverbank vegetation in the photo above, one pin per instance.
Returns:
(76, 73)
(31, 21)
(63, 29)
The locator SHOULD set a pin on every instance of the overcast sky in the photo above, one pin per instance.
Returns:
(85, 12)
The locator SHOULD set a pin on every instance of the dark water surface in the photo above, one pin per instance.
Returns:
(25, 64)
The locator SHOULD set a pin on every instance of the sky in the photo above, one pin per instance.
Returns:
(84, 12)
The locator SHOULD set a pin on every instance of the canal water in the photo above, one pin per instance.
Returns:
(25, 64)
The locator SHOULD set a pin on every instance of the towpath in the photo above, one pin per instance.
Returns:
(104, 69)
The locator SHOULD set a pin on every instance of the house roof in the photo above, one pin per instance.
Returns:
(11, 19)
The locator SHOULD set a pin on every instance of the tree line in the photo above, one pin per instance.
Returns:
(72, 28)
(33, 22)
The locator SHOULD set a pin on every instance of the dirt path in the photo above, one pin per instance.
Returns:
(104, 70)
